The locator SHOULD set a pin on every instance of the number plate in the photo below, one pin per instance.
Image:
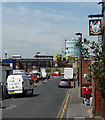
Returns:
(11, 91)
(64, 83)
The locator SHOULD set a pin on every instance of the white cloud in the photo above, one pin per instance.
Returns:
(26, 31)
(53, 16)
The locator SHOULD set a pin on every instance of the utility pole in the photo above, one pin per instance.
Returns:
(80, 61)
(103, 21)
(103, 24)
(103, 38)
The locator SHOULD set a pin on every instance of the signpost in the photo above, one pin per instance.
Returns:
(95, 27)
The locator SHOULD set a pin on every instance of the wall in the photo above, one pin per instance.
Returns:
(102, 107)
(4, 72)
(85, 70)
(101, 101)
(98, 102)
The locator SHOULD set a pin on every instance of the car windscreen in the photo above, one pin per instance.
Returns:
(65, 80)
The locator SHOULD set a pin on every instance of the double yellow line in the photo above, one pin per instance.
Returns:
(63, 107)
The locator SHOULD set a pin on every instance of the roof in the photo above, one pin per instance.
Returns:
(42, 54)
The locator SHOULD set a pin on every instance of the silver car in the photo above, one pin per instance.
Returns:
(64, 82)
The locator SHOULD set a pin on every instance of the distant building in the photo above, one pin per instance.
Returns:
(16, 56)
(43, 56)
(28, 64)
(9, 62)
(71, 49)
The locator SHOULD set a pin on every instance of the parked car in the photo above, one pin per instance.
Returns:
(36, 76)
(55, 74)
(64, 82)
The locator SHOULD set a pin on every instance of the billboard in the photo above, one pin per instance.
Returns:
(95, 27)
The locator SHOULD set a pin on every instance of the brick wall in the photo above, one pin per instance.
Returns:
(102, 107)
(85, 70)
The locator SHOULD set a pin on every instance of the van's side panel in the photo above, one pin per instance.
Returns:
(26, 82)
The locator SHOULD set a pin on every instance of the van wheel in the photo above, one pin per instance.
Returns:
(27, 93)
(24, 92)
(32, 92)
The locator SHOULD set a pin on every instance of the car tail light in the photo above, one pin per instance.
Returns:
(68, 82)
(22, 84)
(59, 82)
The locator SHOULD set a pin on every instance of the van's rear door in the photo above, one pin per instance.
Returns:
(15, 82)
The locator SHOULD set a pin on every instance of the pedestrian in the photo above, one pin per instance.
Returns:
(87, 95)
(87, 92)
(74, 78)
(47, 77)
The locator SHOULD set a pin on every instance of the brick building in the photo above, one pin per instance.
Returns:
(85, 70)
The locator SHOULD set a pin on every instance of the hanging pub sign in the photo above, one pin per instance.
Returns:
(95, 27)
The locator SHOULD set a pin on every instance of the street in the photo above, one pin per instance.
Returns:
(48, 101)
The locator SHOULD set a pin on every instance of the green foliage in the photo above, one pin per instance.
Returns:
(98, 65)
(98, 114)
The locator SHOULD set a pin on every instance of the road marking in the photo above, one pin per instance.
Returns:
(63, 107)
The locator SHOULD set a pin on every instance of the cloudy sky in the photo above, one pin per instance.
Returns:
(28, 27)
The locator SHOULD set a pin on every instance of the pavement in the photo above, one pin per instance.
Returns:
(76, 108)
(0, 109)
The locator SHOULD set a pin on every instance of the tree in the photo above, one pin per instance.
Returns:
(97, 50)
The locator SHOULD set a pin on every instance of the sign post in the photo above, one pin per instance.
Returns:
(95, 27)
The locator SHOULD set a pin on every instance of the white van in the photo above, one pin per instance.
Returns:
(44, 75)
(19, 84)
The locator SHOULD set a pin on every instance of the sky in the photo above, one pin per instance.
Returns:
(29, 27)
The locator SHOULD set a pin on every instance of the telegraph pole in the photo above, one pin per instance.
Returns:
(103, 37)
(103, 21)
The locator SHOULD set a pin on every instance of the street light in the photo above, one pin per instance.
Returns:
(5, 55)
(80, 34)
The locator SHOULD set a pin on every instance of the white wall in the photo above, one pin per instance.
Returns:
(4, 72)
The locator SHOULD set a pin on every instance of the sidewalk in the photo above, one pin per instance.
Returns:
(76, 108)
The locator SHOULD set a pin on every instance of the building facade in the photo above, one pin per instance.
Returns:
(71, 49)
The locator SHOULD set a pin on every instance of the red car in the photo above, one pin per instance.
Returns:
(55, 74)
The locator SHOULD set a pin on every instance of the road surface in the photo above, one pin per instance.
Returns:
(48, 101)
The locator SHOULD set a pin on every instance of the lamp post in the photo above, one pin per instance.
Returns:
(5, 55)
(80, 34)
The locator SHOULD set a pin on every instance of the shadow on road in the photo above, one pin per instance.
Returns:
(65, 87)
(22, 96)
